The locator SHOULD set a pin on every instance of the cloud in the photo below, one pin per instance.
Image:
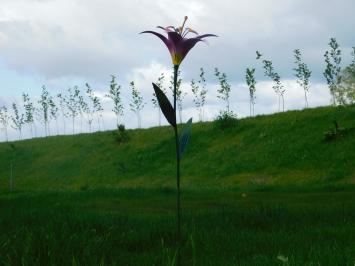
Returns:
(62, 43)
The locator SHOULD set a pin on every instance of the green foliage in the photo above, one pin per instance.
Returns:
(278, 87)
(225, 88)
(251, 82)
(160, 84)
(18, 119)
(199, 91)
(348, 81)
(4, 120)
(115, 96)
(332, 72)
(44, 109)
(302, 73)
(122, 135)
(180, 95)
(137, 103)
(225, 120)
(94, 107)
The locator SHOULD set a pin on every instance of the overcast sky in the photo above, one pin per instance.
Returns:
(62, 43)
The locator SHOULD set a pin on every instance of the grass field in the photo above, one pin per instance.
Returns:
(270, 191)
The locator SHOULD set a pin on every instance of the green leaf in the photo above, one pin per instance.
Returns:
(165, 106)
(184, 138)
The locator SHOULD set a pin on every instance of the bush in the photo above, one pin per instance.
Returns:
(225, 120)
(121, 135)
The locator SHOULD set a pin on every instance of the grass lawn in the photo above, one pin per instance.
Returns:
(137, 227)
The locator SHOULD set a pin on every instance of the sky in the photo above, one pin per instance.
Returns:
(63, 43)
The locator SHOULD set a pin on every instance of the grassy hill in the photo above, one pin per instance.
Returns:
(269, 191)
(285, 149)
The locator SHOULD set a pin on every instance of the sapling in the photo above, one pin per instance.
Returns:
(82, 108)
(4, 120)
(224, 90)
(348, 80)
(332, 72)
(89, 109)
(179, 93)
(199, 91)
(115, 95)
(96, 103)
(160, 84)
(251, 82)
(302, 74)
(30, 109)
(44, 110)
(63, 111)
(137, 103)
(275, 77)
(18, 119)
(54, 113)
(71, 101)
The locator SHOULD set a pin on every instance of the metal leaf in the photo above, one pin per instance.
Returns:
(184, 138)
(165, 106)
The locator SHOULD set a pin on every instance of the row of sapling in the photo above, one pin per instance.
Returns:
(88, 106)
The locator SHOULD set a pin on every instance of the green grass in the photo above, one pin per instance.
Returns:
(285, 149)
(270, 186)
(136, 227)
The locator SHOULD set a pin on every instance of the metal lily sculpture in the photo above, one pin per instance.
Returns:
(178, 45)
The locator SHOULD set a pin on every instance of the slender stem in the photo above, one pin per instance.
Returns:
(178, 206)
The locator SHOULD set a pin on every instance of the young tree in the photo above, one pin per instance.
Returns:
(179, 93)
(4, 120)
(137, 104)
(302, 74)
(225, 88)
(82, 107)
(115, 96)
(332, 72)
(160, 84)
(199, 91)
(96, 104)
(29, 109)
(44, 111)
(348, 80)
(71, 101)
(251, 82)
(54, 113)
(63, 111)
(18, 120)
(274, 76)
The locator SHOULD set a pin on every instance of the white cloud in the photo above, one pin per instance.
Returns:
(62, 43)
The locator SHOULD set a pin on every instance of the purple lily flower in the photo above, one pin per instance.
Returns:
(177, 43)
